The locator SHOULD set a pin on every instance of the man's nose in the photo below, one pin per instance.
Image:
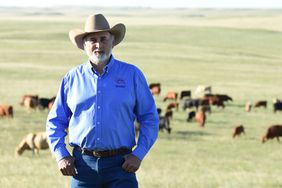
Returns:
(97, 44)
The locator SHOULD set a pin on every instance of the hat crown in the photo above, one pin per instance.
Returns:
(96, 23)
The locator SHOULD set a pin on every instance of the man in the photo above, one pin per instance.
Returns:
(97, 103)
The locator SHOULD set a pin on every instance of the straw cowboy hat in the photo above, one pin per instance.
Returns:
(94, 24)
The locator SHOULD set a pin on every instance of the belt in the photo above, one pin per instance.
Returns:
(104, 153)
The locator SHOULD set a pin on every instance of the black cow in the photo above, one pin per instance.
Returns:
(277, 105)
(186, 93)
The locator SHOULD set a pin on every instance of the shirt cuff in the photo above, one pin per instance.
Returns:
(60, 153)
(140, 152)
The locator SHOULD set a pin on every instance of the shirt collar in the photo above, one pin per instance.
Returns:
(89, 66)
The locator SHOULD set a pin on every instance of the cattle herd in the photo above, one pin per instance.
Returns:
(197, 108)
(32, 141)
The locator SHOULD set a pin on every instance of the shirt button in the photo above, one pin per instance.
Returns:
(99, 107)
(98, 138)
(99, 91)
(98, 123)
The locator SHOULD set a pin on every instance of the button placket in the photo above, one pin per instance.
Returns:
(98, 109)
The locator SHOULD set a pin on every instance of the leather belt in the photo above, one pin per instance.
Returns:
(104, 153)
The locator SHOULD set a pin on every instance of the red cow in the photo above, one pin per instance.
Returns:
(6, 110)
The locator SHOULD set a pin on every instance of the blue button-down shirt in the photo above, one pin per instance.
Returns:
(99, 110)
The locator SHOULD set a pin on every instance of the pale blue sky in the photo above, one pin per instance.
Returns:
(150, 3)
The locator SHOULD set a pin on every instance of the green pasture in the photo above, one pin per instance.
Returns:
(237, 52)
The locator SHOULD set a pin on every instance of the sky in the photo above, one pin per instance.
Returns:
(149, 3)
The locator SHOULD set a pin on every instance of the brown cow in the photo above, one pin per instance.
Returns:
(272, 132)
(260, 104)
(238, 130)
(201, 118)
(155, 88)
(6, 110)
(214, 100)
(33, 142)
(171, 95)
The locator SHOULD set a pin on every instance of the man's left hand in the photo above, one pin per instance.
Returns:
(131, 163)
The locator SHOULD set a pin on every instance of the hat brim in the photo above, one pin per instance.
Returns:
(77, 35)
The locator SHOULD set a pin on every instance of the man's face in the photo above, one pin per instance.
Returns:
(98, 46)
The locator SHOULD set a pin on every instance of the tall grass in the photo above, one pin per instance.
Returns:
(180, 49)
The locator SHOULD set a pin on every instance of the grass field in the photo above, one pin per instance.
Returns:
(237, 52)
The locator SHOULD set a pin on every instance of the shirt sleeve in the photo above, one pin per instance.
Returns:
(147, 116)
(57, 123)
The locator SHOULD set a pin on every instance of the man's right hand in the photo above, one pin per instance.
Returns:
(66, 166)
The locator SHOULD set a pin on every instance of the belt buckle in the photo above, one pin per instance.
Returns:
(96, 154)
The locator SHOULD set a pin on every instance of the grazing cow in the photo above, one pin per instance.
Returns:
(277, 105)
(203, 89)
(171, 95)
(29, 101)
(169, 114)
(6, 110)
(201, 118)
(260, 104)
(186, 93)
(155, 88)
(272, 132)
(33, 142)
(214, 100)
(164, 124)
(248, 107)
(238, 130)
(191, 115)
(173, 105)
(221, 97)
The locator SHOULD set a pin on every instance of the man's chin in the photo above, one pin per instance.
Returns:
(100, 59)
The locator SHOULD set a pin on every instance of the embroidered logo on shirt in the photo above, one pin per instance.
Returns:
(119, 82)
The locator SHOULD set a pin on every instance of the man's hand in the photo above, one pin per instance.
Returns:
(131, 163)
(66, 166)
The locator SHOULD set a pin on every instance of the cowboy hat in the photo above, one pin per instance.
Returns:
(94, 24)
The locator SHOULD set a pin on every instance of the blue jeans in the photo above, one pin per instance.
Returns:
(104, 172)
